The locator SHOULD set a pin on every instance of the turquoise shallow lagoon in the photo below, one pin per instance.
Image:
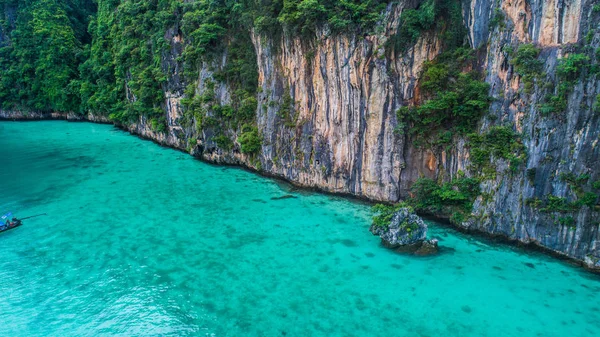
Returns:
(147, 241)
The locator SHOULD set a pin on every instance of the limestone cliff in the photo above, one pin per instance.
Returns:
(555, 145)
(344, 90)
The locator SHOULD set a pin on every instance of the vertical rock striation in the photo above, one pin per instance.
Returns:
(341, 135)
(559, 144)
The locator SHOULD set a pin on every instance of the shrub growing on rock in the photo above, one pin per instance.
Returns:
(402, 230)
(453, 100)
(382, 214)
(250, 139)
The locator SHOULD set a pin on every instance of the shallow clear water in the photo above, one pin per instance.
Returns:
(144, 240)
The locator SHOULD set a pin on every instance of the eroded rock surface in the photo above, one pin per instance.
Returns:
(406, 233)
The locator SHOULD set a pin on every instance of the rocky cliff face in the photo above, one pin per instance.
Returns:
(556, 145)
(346, 93)
(343, 91)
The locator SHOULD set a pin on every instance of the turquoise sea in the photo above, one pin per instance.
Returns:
(142, 240)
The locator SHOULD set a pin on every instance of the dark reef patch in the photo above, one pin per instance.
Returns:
(287, 196)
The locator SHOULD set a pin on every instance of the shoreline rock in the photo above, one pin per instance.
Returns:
(406, 233)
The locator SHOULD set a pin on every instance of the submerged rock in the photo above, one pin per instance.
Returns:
(592, 262)
(406, 233)
(428, 247)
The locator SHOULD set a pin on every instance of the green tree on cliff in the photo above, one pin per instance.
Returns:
(39, 63)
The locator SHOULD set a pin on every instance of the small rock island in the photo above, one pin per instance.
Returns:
(402, 230)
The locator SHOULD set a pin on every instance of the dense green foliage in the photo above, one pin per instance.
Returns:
(383, 214)
(250, 139)
(454, 198)
(454, 101)
(525, 59)
(568, 221)
(39, 66)
(431, 15)
(568, 71)
(132, 31)
(305, 16)
(130, 48)
(526, 64)
(453, 96)
(569, 68)
(122, 74)
(497, 142)
(413, 23)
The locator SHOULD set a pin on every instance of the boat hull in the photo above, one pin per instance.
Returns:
(5, 228)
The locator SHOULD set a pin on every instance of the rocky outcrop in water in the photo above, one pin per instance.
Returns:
(345, 90)
(406, 233)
